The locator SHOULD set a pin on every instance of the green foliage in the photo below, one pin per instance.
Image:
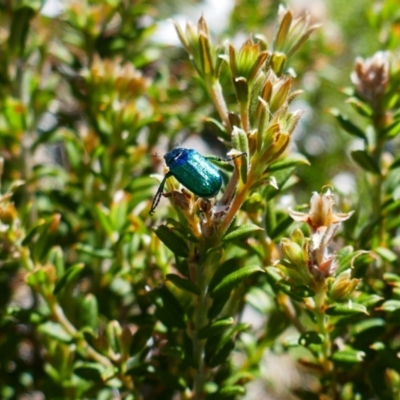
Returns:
(100, 300)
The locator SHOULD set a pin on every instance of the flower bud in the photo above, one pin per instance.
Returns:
(371, 77)
(343, 286)
(293, 252)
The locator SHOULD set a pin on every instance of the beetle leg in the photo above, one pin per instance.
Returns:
(157, 197)
(235, 157)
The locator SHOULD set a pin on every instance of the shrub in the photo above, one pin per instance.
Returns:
(210, 297)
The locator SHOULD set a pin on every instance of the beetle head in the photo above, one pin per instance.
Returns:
(172, 155)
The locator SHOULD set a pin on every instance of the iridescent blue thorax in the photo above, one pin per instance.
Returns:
(178, 156)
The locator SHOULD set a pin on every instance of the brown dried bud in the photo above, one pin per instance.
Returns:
(371, 77)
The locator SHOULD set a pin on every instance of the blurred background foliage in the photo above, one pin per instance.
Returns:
(87, 94)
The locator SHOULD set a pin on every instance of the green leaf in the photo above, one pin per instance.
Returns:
(380, 377)
(394, 222)
(140, 338)
(57, 258)
(174, 242)
(56, 331)
(281, 227)
(347, 125)
(241, 232)
(37, 277)
(46, 238)
(283, 31)
(242, 90)
(52, 372)
(396, 163)
(273, 275)
(349, 355)
(293, 161)
(183, 284)
(390, 306)
(113, 335)
(228, 266)
(207, 62)
(366, 325)
(365, 161)
(188, 351)
(362, 108)
(308, 338)
(297, 293)
(103, 217)
(42, 236)
(348, 308)
(169, 310)
(89, 311)
(344, 258)
(47, 171)
(369, 300)
(258, 298)
(283, 181)
(140, 189)
(94, 371)
(391, 278)
(218, 348)
(386, 254)
(217, 125)
(232, 390)
(218, 305)
(215, 328)
(241, 143)
(19, 28)
(89, 371)
(222, 355)
(119, 211)
(390, 205)
(392, 130)
(234, 278)
(181, 230)
(31, 234)
(71, 276)
(91, 251)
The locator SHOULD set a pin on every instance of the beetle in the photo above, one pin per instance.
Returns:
(194, 171)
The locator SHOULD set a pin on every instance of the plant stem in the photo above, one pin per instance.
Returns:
(200, 320)
(244, 117)
(285, 302)
(237, 202)
(320, 316)
(326, 346)
(378, 180)
(63, 320)
(230, 189)
(377, 190)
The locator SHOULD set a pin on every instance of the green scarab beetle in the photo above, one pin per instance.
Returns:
(194, 171)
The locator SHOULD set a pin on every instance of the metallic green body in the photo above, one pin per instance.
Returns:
(194, 172)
